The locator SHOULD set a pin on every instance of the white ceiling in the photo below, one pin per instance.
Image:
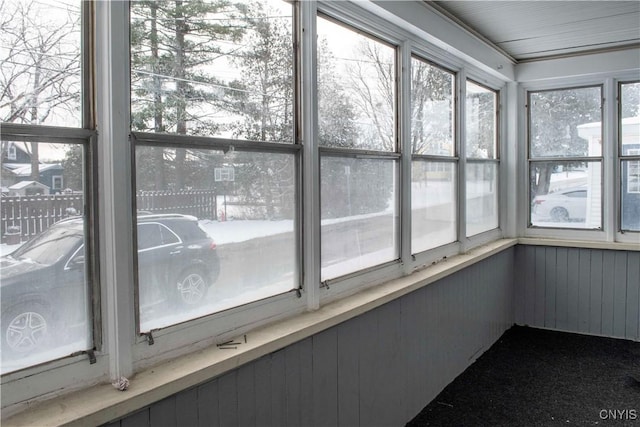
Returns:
(530, 30)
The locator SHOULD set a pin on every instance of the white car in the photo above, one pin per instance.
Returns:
(569, 204)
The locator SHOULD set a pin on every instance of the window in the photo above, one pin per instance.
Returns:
(565, 156)
(481, 127)
(12, 152)
(56, 182)
(629, 146)
(41, 65)
(48, 275)
(434, 167)
(359, 153)
(228, 166)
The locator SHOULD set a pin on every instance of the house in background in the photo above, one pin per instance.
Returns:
(630, 176)
(16, 168)
(28, 188)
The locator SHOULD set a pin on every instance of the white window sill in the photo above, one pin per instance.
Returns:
(586, 244)
(103, 403)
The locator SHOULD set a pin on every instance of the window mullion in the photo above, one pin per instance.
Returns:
(461, 152)
(310, 156)
(116, 251)
(404, 136)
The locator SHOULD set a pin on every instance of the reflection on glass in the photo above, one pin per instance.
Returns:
(45, 293)
(433, 205)
(630, 146)
(432, 109)
(40, 49)
(481, 126)
(565, 123)
(358, 214)
(482, 197)
(213, 68)
(631, 194)
(566, 194)
(214, 231)
(356, 89)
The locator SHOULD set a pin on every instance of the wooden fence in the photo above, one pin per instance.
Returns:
(31, 215)
(199, 203)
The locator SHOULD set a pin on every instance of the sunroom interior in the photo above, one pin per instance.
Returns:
(276, 212)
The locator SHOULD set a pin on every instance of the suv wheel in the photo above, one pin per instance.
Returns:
(192, 287)
(26, 328)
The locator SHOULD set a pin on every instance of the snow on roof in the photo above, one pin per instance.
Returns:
(625, 121)
(25, 170)
(22, 184)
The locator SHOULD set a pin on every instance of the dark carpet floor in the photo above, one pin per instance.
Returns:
(534, 377)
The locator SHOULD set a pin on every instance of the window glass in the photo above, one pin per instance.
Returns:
(432, 109)
(482, 197)
(213, 68)
(236, 242)
(356, 89)
(566, 194)
(45, 292)
(40, 47)
(565, 123)
(433, 204)
(481, 126)
(630, 146)
(359, 214)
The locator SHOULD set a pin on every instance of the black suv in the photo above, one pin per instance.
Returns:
(44, 292)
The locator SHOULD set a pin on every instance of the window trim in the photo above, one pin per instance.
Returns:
(564, 159)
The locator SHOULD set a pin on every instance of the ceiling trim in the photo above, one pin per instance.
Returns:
(447, 15)
(581, 53)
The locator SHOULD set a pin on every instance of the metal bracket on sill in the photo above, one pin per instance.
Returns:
(149, 337)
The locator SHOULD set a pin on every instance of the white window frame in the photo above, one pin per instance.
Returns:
(633, 179)
(611, 182)
(78, 370)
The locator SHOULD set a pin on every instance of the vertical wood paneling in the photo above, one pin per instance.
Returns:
(163, 413)
(540, 285)
(368, 333)
(307, 402)
(413, 341)
(228, 399)
(608, 284)
(551, 287)
(633, 296)
(529, 281)
(573, 287)
(591, 291)
(519, 288)
(247, 395)
(187, 408)
(293, 377)
(262, 375)
(138, 419)
(325, 380)
(380, 368)
(595, 304)
(562, 295)
(208, 404)
(278, 389)
(348, 374)
(389, 364)
(620, 294)
(584, 298)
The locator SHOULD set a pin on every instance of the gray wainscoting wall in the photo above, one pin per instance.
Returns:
(378, 369)
(591, 291)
